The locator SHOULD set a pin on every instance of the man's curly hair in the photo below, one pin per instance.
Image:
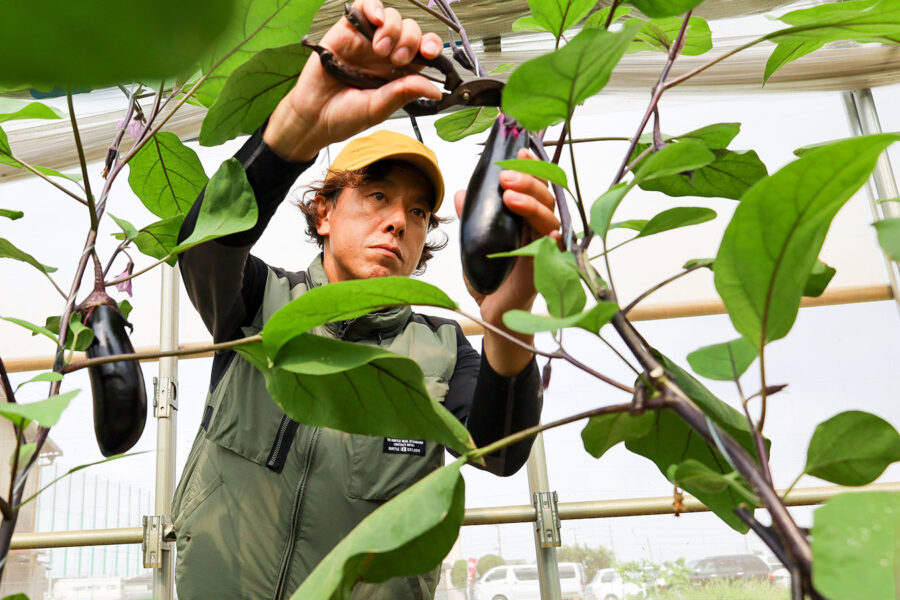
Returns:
(337, 181)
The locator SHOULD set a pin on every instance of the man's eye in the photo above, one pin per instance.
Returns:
(419, 213)
(378, 196)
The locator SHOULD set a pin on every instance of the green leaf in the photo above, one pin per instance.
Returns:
(128, 229)
(411, 534)
(556, 16)
(83, 335)
(257, 25)
(16, 597)
(598, 19)
(35, 329)
(466, 122)
(605, 431)
(658, 35)
(680, 216)
(856, 546)
(700, 263)
(96, 43)
(818, 280)
(672, 159)
(7, 250)
(125, 308)
(12, 215)
(788, 52)
(166, 175)
(48, 376)
(862, 21)
(693, 474)
(346, 300)
(500, 69)
(545, 90)
(78, 344)
(714, 137)
(852, 448)
(772, 242)
(730, 175)
(229, 206)
(25, 109)
(252, 92)
(591, 320)
(528, 23)
(539, 168)
(723, 362)
(355, 388)
(26, 451)
(557, 280)
(889, 236)
(159, 239)
(45, 412)
(605, 206)
(633, 224)
(664, 8)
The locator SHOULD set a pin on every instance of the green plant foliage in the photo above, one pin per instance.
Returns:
(633, 224)
(771, 243)
(591, 320)
(527, 23)
(346, 300)
(556, 16)
(93, 42)
(7, 158)
(545, 90)
(83, 335)
(11, 109)
(788, 52)
(818, 280)
(692, 474)
(229, 206)
(75, 470)
(889, 236)
(12, 215)
(700, 263)
(466, 122)
(604, 207)
(130, 231)
(158, 239)
(125, 308)
(605, 431)
(557, 280)
(252, 92)
(44, 412)
(863, 21)
(16, 597)
(407, 536)
(35, 329)
(664, 8)
(674, 218)
(599, 18)
(671, 159)
(658, 35)
(7, 250)
(854, 545)
(723, 362)
(459, 573)
(852, 448)
(49, 376)
(539, 168)
(593, 558)
(256, 25)
(166, 175)
(730, 175)
(26, 451)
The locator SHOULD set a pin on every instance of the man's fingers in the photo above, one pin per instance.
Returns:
(390, 97)
(408, 44)
(431, 45)
(459, 199)
(386, 36)
(538, 216)
(528, 184)
(373, 10)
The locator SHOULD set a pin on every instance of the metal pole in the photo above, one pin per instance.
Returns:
(539, 481)
(863, 116)
(164, 578)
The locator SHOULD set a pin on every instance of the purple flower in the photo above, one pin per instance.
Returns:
(125, 286)
(135, 127)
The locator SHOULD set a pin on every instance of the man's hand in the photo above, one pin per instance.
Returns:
(320, 110)
(529, 197)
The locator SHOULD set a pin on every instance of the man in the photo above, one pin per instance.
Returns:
(263, 499)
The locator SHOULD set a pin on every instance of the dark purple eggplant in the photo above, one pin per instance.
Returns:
(120, 399)
(487, 226)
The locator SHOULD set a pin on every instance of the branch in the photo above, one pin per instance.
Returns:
(55, 184)
(612, 12)
(448, 22)
(584, 140)
(84, 173)
(8, 390)
(643, 296)
(701, 68)
(565, 218)
(579, 202)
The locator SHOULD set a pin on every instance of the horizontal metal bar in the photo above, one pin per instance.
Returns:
(494, 515)
(648, 312)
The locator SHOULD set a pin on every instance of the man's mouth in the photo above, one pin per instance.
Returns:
(388, 248)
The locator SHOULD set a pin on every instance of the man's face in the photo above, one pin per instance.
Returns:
(378, 229)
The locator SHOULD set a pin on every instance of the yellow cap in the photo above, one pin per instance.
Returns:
(381, 145)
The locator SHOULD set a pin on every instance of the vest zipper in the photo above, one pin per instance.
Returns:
(283, 440)
(295, 517)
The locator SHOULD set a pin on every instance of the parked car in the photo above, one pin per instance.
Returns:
(729, 568)
(608, 584)
(520, 582)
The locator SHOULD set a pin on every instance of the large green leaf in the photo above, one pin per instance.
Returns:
(409, 535)
(95, 42)
(556, 16)
(35, 329)
(729, 175)
(605, 431)
(674, 218)
(159, 239)
(852, 448)
(7, 250)
(599, 18)
(591, 320)
(604, 207)
(539, 168)
(672, 159)
(545, 90)
(257, 25)
(346, 300)
(466, 122)
(355, 388)
(664, 8)
(166, 175)
(12, 215)
(45, 412)
(658, 35)
(788, 52)
(47, 377)
(252, 92)
(856, 546)
(557, 280)
(889, 236)
(863, 21)
(229, 206)
(772, 242)
(818, 279)
(24, 109)
(723, 362)
(693, 474)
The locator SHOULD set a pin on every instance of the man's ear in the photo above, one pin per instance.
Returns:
(323, 215)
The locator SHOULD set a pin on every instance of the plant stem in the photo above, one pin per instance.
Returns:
(791, 487)
(766, 535)
(578, 199)
(449, 23)
(565, 218)
(90, 362)
(762, 391)
(612, 12)
(619, 354)
(55, 184)
(15, 462)
(758, 441)
(643, 296)
(463, 36)
(572, 360)
(84, 172)
(718, 59)
(591, 139)
(557, 154)
(8, 390)
(141, 272)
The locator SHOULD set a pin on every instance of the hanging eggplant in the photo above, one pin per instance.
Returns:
(487, 226)
(120, 399)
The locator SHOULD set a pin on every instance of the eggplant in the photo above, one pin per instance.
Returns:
(120, 399)
(486, 225)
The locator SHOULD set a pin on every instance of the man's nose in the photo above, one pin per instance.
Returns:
(395, 221)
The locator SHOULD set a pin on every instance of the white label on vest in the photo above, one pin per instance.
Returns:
(397, 446)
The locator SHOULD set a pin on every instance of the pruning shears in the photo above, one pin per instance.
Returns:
(481, 91)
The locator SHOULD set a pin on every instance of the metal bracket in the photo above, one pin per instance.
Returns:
(547, 519)
(165, 397)
(156, 540)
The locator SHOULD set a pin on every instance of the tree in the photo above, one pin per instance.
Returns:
(459, 573)
(488, 562)
(593, 559)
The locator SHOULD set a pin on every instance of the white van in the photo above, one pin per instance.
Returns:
(520, 582)
(608, 584)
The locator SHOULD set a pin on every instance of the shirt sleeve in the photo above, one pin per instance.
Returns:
(224, 282)
(493, 406)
